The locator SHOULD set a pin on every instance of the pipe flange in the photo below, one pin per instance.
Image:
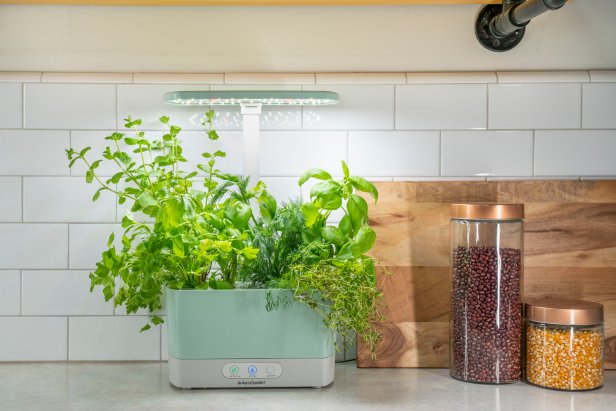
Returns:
(484, 33)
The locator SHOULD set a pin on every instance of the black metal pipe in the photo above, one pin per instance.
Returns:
(518, 15)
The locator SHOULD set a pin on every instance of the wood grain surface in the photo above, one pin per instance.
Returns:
(569, 251)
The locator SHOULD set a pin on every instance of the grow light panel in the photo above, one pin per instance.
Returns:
(250, 97)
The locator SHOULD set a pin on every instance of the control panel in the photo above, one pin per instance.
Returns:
(258, 370)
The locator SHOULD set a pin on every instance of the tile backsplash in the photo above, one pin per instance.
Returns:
(388, 126)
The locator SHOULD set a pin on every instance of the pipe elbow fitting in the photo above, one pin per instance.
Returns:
(554, 4)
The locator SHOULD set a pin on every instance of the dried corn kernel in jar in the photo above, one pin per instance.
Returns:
(564, 344)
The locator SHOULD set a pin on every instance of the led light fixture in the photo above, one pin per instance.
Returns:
(251, 102)
(266, 98)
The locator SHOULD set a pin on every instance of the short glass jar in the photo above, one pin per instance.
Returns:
(564, 344)
(486, 322)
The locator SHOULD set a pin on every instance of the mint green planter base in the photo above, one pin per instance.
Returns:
(226, 338)
(307, 372)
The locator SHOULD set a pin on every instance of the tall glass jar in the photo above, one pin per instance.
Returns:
(564, 344)
(486, 292)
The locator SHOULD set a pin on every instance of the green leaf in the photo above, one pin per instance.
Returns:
(267, 206)
(220, 284)
(345, 169)
(314, 173)
(164, 119)
(357, 209)
(364, 240)
(311, 214)
(239, 213)
(96, 164)
(220, 154)
(175, 130)
(115, 136)
(212, 135)
(130, 141)
(84, 151)
(89, 176)
(97, 194)
(115, 179)
(327, 194)
(178, 247)
(110, 240)
(146, 199)
(206, 155)
(364, 185)
(333, 235)
(345, 226)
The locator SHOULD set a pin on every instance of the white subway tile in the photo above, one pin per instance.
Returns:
(526, 178)
(112, 339)
(291, 154)
(66, 199)
(603, 76)
(283, 188)
(438, 106)
(88, 241)
(487, 153)
(361, 107)
(178, 78)
(10, 200)
(451, 78)
(61, 293)
(57, 77)
(33, 246)
(20, 76)
(575, 152)
(361, 78)
(145, 102)
(70, 106)
(10, 105)
(411, 178)
(599, 105)
(394, 153)
(33, 152)
(10, 292)
(33, 338)
(269, 78)
(543, 76)
(534, 106)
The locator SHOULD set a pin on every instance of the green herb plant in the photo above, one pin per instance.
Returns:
(197, 230)
(329, 270)
(199, 233)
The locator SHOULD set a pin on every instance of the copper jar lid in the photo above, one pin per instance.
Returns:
(477, 211)
(563, 311)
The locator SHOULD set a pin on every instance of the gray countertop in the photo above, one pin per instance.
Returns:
(145, 386)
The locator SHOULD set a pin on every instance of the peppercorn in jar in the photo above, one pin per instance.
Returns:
(564, 344)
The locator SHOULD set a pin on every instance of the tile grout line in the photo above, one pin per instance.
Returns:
(533, 153)
(21, 291)
(68, 337)
(440, 153)
(23, 105)
(582, 105)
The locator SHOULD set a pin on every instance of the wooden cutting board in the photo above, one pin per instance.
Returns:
(569, 246)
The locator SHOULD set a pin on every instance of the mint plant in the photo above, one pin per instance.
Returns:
(200, 235)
